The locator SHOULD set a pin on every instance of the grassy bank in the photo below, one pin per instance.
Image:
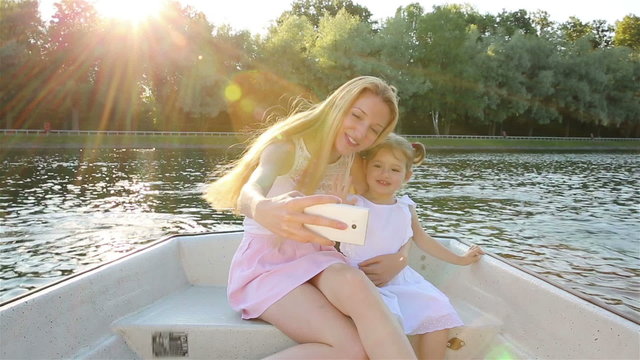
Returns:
(89, 141)
(75, 141)
(526, 144)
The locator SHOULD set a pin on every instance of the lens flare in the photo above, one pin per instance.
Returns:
(232, 92)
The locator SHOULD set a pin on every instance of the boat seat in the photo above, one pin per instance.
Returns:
(198, 323)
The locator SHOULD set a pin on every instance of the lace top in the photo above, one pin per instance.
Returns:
(335, 173)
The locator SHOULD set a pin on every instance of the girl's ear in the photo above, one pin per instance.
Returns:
(408, 175)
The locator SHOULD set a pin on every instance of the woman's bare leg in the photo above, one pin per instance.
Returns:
(433, 345)
(323, 332)
(351, 292)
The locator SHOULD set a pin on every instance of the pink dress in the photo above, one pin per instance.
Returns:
(263, 269)
(420, 306)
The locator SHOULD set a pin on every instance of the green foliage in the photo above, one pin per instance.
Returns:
(315, 10)
(287, 47)
(516, 21)
(628, 32)
(21, 46)
(456, 70)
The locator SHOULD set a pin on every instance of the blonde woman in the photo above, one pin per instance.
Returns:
(282, 272)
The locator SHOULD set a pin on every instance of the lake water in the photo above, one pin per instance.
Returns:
(573, 217)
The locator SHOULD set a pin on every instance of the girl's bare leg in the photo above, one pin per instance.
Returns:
(323, 332)
(351, 292)
(433, 345)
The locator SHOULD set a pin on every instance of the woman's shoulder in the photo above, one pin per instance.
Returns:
(279, 154)
(280, 147)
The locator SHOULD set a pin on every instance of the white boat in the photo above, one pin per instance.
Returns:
(168, 300)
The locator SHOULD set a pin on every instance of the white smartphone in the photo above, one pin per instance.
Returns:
(356, 218)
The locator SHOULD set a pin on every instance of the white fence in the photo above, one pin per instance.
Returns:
(197, 133)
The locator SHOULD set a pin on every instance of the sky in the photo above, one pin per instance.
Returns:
(257, 15)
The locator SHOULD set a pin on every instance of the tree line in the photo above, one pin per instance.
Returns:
(457, 71)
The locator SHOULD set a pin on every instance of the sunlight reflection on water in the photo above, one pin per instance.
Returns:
(572, 217)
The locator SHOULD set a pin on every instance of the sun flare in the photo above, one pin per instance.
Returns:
(134, 11)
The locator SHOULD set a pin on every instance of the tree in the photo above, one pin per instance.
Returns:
(504, 88)
(582, 86)
(447, 59)
(621, 91)
(344, 48)
(515, 21)
(184, 74)
(400, 51)
(286, 50)
(72, 50)
(21, 65)
(628, 32)
(574, 29)
(543, 25)
(539, 79)
(314, 10)
(602, 34)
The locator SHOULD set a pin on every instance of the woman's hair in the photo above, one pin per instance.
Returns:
(323, 120)
(413, 153)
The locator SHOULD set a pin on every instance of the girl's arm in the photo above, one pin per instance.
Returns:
(434, 248)
(283, 215)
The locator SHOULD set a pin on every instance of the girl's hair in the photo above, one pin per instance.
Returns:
(323, 120)
(413, 153)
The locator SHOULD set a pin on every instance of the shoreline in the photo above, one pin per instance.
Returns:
(72, 141)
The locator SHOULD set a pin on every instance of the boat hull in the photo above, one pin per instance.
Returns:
(116, 309)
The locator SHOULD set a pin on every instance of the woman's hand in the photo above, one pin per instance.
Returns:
(284, 216)
(382, 268)
(472, 255)
(341, 187)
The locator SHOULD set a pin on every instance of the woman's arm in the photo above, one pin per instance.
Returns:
(382, 268)
(283, 215)
(433, 247)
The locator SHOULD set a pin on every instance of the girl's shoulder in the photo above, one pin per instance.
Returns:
(359, 199)
(406, 200)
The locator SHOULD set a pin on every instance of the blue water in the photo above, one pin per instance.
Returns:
(573, 217)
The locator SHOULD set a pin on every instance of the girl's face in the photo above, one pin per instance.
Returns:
(386, 173)
(361, 125)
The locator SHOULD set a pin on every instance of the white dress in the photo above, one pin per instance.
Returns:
(419, 305)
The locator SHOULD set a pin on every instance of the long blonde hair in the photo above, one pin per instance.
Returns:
(323, 119)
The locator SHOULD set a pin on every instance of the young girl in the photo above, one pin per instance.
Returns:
(284, 273)
(422, 308)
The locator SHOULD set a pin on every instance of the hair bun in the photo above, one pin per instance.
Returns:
(419, 152)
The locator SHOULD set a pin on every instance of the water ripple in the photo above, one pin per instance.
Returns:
(571, 217)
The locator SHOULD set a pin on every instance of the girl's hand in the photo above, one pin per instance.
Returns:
(381, 269)
(284, 216)
(473, 255)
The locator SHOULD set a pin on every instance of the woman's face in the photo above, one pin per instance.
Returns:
(361, 125)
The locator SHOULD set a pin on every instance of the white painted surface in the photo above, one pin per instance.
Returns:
(179, 285)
